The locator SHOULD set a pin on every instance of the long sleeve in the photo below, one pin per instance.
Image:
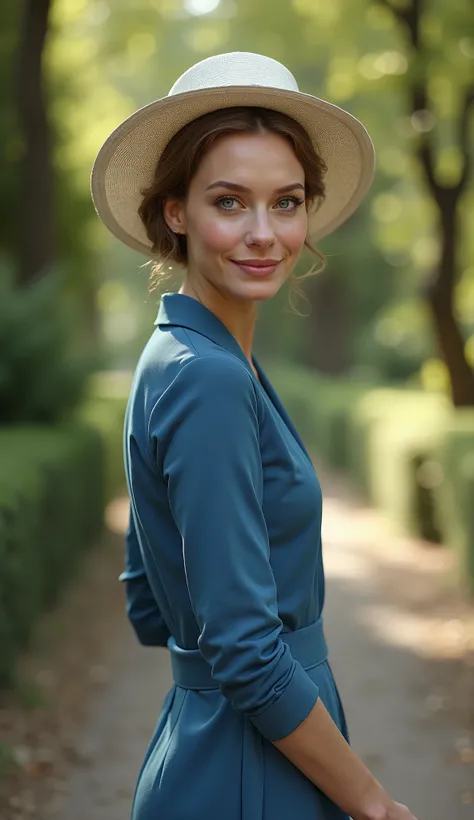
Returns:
(204, 435)
(142, 610)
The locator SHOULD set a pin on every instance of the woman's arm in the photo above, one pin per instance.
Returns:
(318, 749)
(204, 439)
(142, 610)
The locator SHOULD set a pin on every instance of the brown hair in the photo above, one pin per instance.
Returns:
(182, 156)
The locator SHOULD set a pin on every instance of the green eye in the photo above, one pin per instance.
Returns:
(292, 203)
(227, 202)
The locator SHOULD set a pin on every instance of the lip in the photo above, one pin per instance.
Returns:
(257, 267)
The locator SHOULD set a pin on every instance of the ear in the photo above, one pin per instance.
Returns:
(173, 211)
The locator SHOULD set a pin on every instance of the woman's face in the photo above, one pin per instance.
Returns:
(244, 217)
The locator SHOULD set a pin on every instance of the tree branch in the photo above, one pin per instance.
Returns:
(388, 5)
(465, 143)
(410, 17)
(425, 154)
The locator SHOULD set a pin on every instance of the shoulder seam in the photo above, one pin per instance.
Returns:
(199, 356)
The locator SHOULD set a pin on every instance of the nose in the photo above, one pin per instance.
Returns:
(260, 231)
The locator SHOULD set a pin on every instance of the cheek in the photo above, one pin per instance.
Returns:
(219, 235)
(293, 234)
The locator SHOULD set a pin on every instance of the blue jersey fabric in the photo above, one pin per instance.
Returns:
(223, 555)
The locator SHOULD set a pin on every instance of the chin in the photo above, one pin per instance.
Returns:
(257, 291)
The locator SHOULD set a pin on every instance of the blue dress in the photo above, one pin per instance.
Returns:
(224, 566)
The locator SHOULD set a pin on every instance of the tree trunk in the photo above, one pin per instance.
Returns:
(439, 295)
(329, 331)
(35, 222)
(440, 291)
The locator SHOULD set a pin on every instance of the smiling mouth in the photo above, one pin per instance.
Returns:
(257, 267)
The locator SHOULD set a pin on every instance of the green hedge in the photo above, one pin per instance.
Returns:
(393, 436)
(51, 507)
(54, 484)
(104, 410)
(44, 368)
(408, 451)
(455, 494)
(320, 408)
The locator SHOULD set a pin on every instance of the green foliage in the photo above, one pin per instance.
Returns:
(408, 451)
(455, 493)
(54, 484)
(403, 447)
(104, 409)
(382, 436)
(42, 376)
(73, 209)
(395, 344)
(392, 434)
(319, 406)
(51, 505)
(100, 65)
(356, 54)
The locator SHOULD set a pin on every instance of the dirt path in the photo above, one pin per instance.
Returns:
(402, 648)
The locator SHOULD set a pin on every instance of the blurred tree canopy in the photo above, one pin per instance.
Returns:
(446, 181)
(404, 67)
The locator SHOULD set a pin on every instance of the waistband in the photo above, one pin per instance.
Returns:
(191, 671)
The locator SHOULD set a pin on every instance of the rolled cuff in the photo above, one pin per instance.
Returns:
(130, 575)
(284, 715)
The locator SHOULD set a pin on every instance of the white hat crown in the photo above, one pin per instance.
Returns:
(238, 68)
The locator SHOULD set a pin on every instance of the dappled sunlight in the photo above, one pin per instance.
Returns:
(403, 592)
(207, 38)
(377, 65)
(323, 13)
(116, 515)
(345, 564)
(200, 7)
(360, 523)
(375, 373)
(111, 384)
(429, 637)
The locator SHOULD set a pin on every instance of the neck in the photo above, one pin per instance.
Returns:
(238, 316)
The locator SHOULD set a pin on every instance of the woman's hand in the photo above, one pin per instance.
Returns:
(388, 811)
(400, 812)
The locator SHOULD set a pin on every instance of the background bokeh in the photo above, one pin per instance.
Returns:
(374, 359)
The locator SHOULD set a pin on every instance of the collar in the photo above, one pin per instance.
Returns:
(184, 311)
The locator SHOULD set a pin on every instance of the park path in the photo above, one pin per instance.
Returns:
(398, 638)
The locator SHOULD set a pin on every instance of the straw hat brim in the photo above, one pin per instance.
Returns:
(127, 160)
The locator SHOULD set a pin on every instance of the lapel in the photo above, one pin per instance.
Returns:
(274, 398)
(176, 309)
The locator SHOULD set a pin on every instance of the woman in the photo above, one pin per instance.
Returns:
(223, 555)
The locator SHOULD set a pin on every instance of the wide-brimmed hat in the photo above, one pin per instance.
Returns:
(127, 160)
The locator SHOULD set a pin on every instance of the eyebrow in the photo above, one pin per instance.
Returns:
(232, 186)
